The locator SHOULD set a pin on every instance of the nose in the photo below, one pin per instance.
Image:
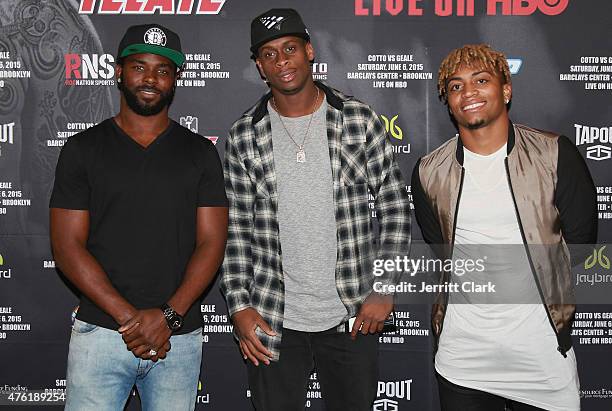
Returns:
(281, 59)
(150, 76)
(469, 90)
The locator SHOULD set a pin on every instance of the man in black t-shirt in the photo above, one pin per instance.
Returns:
(138, 225)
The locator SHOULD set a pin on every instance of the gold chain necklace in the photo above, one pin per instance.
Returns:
(300, 155)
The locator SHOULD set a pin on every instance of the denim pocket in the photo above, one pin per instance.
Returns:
(81, 327)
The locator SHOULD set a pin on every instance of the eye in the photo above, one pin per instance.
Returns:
(269, 54)
(455, 87)
(290, 49)
(138, 68)
(163, 72)
(482, 81)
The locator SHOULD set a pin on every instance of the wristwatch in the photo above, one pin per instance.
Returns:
(174, 319)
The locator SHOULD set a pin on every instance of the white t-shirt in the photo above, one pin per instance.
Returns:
(505, 349)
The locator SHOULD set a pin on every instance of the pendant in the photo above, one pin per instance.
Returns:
(300, 155)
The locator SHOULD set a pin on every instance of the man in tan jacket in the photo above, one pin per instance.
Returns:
(523, 194)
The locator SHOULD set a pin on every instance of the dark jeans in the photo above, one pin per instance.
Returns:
(457, 398)
(347, 371)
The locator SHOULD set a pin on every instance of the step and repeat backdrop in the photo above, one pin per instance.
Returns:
(57, 79)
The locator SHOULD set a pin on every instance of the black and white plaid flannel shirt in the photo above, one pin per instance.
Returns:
(362, 161)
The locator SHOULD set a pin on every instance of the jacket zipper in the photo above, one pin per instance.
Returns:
(453, 242)
(535, 277)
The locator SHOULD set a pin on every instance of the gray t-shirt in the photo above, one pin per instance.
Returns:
(307, 223)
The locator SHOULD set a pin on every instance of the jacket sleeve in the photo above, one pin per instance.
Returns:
(576, 200)
(392, 203)
(429, 224)
(432, 235)
(237, 267)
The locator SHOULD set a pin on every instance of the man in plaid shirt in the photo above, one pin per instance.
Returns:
(298, 169)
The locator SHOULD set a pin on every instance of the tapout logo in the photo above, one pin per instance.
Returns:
(597, 139)
(81, 69)
(392, 391)
(446, 8)
(7, 134)
(151, 6)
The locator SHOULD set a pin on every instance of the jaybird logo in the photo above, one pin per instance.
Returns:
(393, 128)
(598, 257)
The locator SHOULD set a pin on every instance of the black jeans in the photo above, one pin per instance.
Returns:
(347, 371)
(454, 397)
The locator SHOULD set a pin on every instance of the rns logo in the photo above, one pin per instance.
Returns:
(595, 135)
(89, 66)
(150, 6)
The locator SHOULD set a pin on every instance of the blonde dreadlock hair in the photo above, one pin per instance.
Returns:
(471, 55)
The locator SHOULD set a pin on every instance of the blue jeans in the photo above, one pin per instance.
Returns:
(101, 372)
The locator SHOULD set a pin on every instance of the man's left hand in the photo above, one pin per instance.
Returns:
(145, 331)
(372, 314)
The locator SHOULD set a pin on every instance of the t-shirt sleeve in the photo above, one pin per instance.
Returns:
(211, 190)
(71, 186)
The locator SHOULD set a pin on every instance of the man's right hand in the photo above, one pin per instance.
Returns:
(147, 330)
(245, 323)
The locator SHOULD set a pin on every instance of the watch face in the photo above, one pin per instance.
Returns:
(175, 323)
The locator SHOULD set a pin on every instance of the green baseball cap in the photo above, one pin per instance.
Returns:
(154, 39)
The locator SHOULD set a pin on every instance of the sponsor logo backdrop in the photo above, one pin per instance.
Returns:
(57, 78)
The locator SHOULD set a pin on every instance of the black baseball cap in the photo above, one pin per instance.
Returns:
(154, 39)
(276, 23)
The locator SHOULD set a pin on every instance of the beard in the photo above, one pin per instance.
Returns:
(476, 124)
(146, 109)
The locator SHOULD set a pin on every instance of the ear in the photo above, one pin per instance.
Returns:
(260, 69)
(309, 51)
(507, 89)
(118, 70)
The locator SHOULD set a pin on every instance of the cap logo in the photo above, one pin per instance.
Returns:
(272, 22)
(155, 36)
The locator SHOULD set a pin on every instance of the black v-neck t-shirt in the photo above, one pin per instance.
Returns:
(142, 205)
